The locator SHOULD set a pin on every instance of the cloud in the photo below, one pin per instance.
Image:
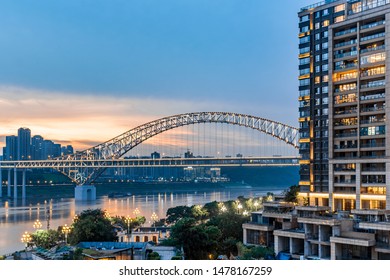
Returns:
(84, 119)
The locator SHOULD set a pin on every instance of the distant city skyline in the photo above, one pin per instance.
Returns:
(81, 73)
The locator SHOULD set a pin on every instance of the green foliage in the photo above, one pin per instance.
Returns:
(176, 213)
(92, 225)
(291, 194)
(253, 252)
(154, 256)
(230, 224)
(46, 238)
(177, 258)
(212, 208)
(2, 258)
(198, 241)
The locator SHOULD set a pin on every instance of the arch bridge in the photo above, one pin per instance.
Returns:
(86, 166)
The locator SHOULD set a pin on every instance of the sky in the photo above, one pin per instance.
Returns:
(83, 71)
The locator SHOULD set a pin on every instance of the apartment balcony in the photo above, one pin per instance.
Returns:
(372, 38)
(373, 97)
(373, 26)
(345, 113)
(345, 55)
(293, 233)
(373, 85)
(379, 121)
(372, 110)
(355, 238)
(345, 183)
(259, 227)
(345, 44)
(346, 33)
(369, 50)
(348, 66)
(346, 135)
(319, 220)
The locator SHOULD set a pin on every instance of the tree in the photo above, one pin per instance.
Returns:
(198, 241)
(291, 194)
(154, 256)
(92, 225)
(176, 213)
(230, 224)
(45, 238)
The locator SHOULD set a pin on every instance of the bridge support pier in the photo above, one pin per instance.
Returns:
(1, 182)
(24, 184)
(15, 183)
(85, 193)
(9, 183)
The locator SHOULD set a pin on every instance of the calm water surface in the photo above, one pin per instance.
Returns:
(16, 217)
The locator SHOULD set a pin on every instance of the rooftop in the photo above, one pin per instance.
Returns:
(313, 6)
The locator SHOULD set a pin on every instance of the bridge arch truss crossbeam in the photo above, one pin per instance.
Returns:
(120, 145)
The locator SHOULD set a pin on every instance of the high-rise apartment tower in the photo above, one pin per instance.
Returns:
(343, 91)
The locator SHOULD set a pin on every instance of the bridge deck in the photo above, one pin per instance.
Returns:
(161, 162)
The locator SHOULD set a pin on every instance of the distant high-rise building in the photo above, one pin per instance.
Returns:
(155, 155)
(343, 106)
(24, 144)
(37, 147)
(11, 148)
(47, 149)
(66, 150)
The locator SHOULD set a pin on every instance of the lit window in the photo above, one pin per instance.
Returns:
(317, 79)
(325, 78)
(317, 25)
(325, 23)
(339, 8)
(339, 19)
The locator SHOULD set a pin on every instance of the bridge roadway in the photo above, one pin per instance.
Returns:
(134, 163)
(149, 162)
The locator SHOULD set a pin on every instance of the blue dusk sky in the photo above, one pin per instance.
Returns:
(84, 71)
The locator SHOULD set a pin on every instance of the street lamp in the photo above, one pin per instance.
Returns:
(154, 218)
(128, 222)
(26, 239)
(37, 225)
(239, 206)
(256, 204)
(66, 230)
(136, 212)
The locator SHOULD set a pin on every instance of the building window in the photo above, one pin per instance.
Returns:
(304, 61)
(325, 78)
(317, 25)
(325, 67)
(317, 80)
(318, 58)
(305, 18)
(325, 23)
(304, 82)
(339, 19)
(325, 45)
(304, 40)
(325, 12)
(339, 8)
(304, 50)
(325, 56)
(304, 28)
(373, 58)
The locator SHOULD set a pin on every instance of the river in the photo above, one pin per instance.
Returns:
(16, 217)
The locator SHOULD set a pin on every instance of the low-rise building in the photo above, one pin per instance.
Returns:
(314, 232)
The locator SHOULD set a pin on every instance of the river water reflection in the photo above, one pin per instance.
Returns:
(16, 217)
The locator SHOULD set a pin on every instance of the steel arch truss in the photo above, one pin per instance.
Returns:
(120, 145)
